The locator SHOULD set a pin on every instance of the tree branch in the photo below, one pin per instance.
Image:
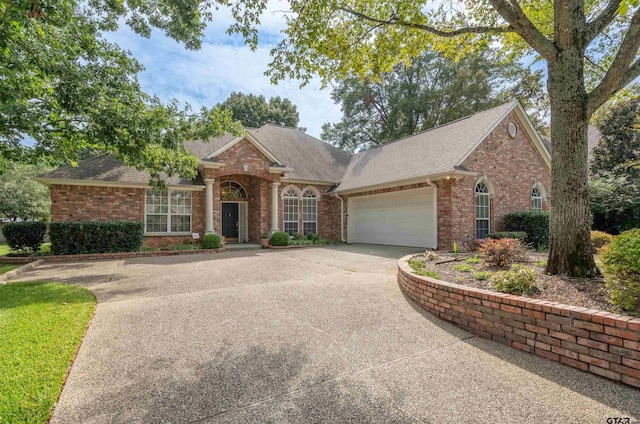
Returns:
(603, 20)
(622, 71)
(518, 20)
(428, 28)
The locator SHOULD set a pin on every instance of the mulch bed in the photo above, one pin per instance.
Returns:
(585, 292)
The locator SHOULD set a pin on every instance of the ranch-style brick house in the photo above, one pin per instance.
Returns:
(450, 183)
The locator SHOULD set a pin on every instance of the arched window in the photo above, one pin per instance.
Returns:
(309, 211)
(537, 197)
(231, 190)
(291, 201)
(483, 212)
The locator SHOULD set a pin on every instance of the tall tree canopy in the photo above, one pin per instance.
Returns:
(431, 91)
(64, 89)
(255, 111)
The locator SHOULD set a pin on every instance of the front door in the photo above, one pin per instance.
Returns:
(230, 221)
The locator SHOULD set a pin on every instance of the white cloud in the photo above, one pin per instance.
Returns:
(223, 65)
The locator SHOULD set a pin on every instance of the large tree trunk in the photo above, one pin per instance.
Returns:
(570, 249)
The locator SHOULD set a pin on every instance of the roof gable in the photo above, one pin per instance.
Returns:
(528, 127)
(251, 139)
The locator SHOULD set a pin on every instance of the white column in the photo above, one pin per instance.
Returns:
(209, 205)
(274, 207)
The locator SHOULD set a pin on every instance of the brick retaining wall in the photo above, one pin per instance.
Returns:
(126, 255)
(600, 342)
(105, 256)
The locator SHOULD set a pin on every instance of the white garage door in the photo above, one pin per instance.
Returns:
(402, 218)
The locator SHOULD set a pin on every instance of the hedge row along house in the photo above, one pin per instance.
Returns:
(450, 183)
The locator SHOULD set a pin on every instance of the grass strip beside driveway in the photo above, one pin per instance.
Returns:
(7, 268)
(5, 249)
(41, 326)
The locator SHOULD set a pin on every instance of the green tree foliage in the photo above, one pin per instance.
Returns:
(67, 90)
(255, 111)
(619, 145)
(20, 196)
(431, 91)
(615, 203)
(614, 188)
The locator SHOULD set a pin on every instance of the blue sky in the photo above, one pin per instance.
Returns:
(224, 64)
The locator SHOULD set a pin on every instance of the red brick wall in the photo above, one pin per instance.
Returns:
(243, 153)
(513, 166)
(595, 341)
(328, 211)
(87, 203)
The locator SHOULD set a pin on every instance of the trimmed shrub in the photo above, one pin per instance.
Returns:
(534, 223)
(298, 236)
(211, 241)
(72, 238)
(519, 280)
(280, 238)
(26, 235)
(621, 265)
(600, 239)
(520, 235)
(502, 252)
(313, 237)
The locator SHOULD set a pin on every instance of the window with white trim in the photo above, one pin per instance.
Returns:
(231, 190)
(167, 211)
(309, 212)
(536, 198)
(291, 210)
(483, 214)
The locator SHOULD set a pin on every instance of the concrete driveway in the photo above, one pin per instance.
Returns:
(304, 335)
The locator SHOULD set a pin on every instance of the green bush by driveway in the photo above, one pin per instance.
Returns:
(621, 264)
(41, 326)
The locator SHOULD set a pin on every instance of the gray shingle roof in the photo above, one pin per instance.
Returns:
(106, 168)
(431, 152)
(310, 158)
(202, 149)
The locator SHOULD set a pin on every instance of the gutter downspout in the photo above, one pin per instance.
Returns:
(341, 217)
(435, 211)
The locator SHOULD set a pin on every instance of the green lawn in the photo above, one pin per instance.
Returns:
(7, 268)
(45, 248)
(41, 325)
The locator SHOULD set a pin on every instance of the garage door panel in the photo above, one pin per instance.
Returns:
(402, 218)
